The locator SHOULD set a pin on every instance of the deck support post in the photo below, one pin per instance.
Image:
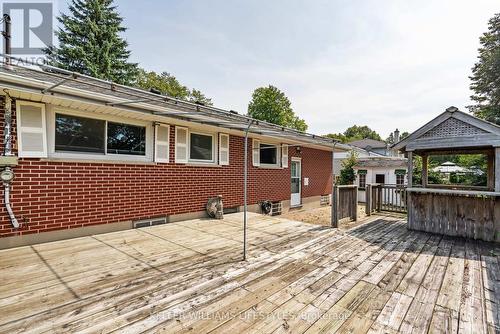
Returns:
(368, 199)
(354, 209)
(245, 182)
(335, 206)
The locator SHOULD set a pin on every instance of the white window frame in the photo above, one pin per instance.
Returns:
(21, 153)
(214, 148)
(278, 156)
(51, 130)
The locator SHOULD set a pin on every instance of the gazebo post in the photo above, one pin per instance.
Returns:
(491, 171)
(425, 171)
(410, 169)
(497, 169)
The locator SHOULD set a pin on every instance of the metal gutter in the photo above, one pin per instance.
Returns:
(216, 114)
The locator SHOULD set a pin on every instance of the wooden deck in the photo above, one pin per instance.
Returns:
(187, 277)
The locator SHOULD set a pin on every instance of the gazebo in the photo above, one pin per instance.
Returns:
(453, 209)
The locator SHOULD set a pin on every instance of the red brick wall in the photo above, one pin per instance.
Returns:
(54, 195)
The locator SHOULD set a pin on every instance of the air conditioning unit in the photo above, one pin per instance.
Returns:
(276, 208)
(324, 200)
(150, 222)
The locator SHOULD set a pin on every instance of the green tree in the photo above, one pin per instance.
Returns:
(486, 73)
(338, 136)
(347, 174)
(271, 105)
(167, 84)
(90, 42)
(355, 132)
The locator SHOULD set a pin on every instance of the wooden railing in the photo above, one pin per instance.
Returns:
(345, 203)
(385, 197)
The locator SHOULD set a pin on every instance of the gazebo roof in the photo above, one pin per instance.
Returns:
(452, 130)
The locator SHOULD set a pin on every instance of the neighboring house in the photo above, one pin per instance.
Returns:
(341, 156)
(449, 167)
(382, 170)
(377, 146)
(377, 163)
(90, 156)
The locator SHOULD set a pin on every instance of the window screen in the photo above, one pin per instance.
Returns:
(79, 134)
(201, 147)
(268, 154)
(126, 139)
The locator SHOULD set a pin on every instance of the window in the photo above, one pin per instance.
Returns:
(87, 135)
(268, 154)
(79, 134)
(362, 181)
(400, 179)
(380, 178)
(201, 147)
(126, 139)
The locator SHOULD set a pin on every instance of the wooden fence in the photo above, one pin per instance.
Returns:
(385, 197)
(345, 203)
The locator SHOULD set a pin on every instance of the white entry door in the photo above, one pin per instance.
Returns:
(296, 182)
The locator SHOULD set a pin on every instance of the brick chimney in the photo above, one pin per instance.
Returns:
(396, 136)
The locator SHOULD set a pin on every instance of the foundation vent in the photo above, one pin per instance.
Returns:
(230, 210)
(150, 222)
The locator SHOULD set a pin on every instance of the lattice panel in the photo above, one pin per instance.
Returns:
(452, 127)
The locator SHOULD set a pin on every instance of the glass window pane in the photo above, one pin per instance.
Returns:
(362, 180)
(295, 186)
(268, 154)
(201, 147)
(126, 139)
(79, 134)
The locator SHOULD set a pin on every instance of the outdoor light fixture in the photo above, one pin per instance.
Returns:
(298, 149)
(7, 175)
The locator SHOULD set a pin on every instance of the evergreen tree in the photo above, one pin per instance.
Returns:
(486, 73)
(90, 42)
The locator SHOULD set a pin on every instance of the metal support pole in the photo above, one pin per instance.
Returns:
(7, 36)
(245, 182)
(334, 195)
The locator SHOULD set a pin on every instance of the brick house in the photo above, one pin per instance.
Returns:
(91, 156)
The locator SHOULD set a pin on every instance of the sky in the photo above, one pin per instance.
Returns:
(386, 64)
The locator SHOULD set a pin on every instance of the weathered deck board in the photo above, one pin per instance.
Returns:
(188, 277)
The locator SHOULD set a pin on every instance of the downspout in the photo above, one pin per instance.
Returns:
(7, 174)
